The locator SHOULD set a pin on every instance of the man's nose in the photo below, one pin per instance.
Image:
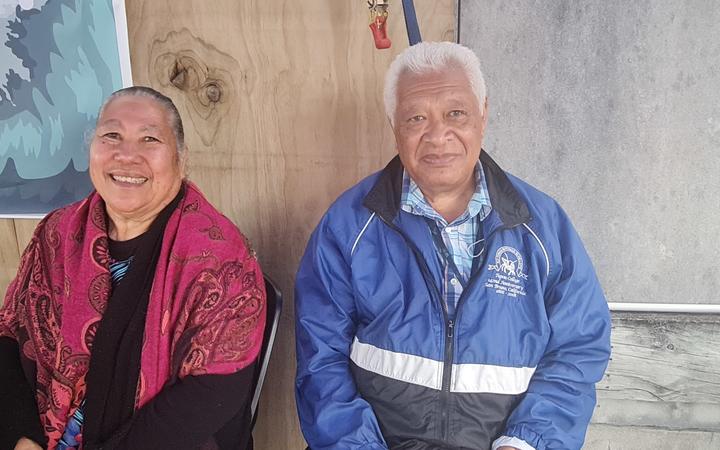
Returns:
(437, 132)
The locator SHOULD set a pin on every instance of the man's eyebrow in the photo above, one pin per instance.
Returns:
(409, 105)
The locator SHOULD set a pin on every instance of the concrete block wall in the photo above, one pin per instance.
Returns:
(613, 108)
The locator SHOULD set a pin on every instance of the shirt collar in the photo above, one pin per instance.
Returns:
(413, 201)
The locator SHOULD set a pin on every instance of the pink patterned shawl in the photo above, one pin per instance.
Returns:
(205, 315)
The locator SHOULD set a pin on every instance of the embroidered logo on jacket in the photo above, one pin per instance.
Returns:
(509, 278)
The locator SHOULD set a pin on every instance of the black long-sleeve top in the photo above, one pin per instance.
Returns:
(185, 415)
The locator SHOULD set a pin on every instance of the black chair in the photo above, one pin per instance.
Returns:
(236, 433)
(274, 307)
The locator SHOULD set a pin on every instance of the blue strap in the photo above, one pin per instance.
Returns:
(413, 30)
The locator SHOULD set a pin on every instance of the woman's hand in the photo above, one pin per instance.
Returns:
(27, 444)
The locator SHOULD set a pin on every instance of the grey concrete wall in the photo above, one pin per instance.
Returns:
(613, 108)
(603, 437)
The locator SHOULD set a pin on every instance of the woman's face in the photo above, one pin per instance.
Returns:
(134, 162)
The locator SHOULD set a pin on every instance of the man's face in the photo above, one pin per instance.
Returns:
(439, 128)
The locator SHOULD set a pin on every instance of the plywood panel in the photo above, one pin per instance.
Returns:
(282, 102)
(24, 229)
(14, 237)
(664, 372)
(9, 255)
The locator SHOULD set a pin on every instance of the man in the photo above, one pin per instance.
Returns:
(443, 303)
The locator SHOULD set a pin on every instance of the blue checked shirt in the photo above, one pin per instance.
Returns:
(458, 236)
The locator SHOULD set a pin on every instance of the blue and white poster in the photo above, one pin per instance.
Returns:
(59, 60)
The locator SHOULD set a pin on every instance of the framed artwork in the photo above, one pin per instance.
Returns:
(59, 60)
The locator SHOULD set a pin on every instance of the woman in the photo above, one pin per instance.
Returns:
(136, 314)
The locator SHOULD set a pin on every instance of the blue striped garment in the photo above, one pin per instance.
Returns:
(72, 436)
(458, 236)
(118, 270)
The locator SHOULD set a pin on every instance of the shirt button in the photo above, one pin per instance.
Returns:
(449, 229)
(454, 281)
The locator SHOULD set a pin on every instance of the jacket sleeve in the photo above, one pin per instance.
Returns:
(332, 413)
(556, 410)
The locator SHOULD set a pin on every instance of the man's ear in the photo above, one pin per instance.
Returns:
(485, 112)
(393, 129)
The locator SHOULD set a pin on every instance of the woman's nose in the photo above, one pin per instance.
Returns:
(125, 151)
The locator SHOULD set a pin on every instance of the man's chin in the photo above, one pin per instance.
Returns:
(439, 185)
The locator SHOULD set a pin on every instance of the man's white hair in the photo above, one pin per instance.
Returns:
(432, 57)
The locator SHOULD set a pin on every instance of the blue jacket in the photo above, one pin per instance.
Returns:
(380, 364)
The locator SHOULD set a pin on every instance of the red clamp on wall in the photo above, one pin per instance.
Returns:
(378, 22)
(379, 32)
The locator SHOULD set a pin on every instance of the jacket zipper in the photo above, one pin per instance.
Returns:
(449, 328)
(449, 323)
(450, 340)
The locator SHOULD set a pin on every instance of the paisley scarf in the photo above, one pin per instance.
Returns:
(205, 314)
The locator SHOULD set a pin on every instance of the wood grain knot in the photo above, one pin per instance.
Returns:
(204, 75)
(178, 75)
(213, 92)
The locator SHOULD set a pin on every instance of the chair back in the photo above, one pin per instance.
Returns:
(274, 307)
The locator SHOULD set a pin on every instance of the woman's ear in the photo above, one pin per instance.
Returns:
(183, 163)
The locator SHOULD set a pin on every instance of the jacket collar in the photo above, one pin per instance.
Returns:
(384, 197)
